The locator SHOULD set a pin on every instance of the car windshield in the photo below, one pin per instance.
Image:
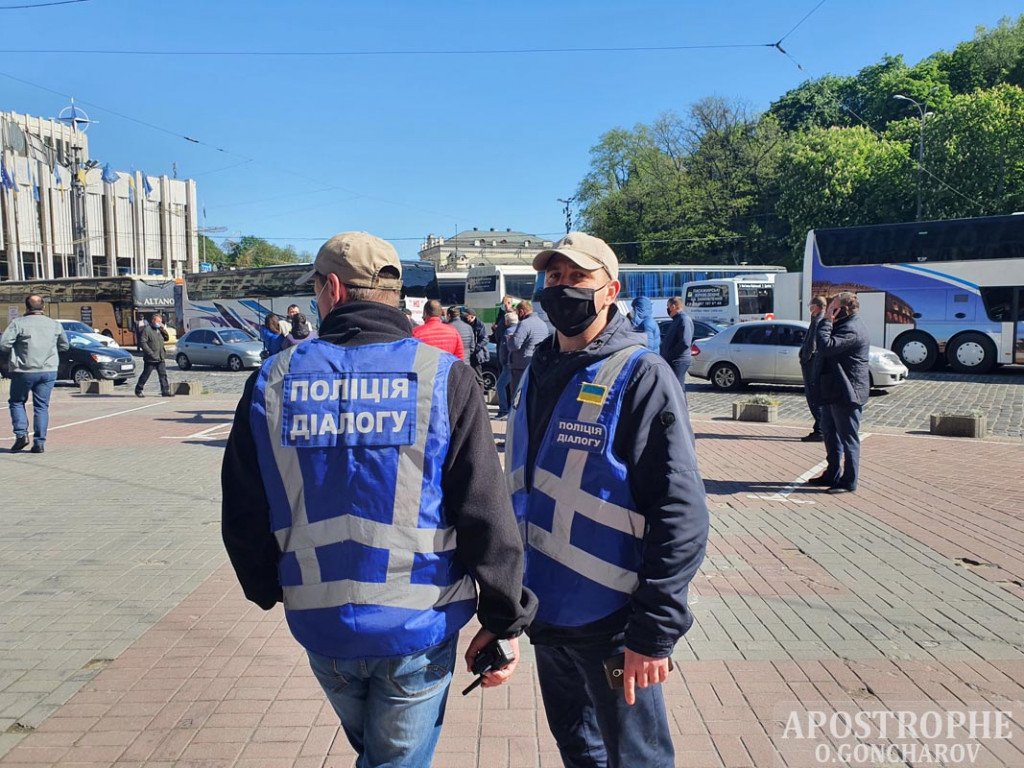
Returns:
(234, 337)
(74, 325)
(78, 340)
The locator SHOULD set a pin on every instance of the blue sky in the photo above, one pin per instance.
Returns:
(410, 144)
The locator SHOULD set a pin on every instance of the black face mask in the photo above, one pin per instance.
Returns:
(570, 310)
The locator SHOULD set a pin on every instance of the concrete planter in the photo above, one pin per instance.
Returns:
(958, 425)
(742, 411)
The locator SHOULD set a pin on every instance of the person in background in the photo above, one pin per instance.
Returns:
(271, 336)
(438, 334)
(601, 465)
(463, 328)
(480, 353)
(843, 342)
(33, 343)
(644, 322)
(154, 356)
(678, 338)
(500, 337)
(810, 367)
(529, 333)
(301, 331)
(408, 316)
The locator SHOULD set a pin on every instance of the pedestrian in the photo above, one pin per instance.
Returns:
(522, 344)
(270, 335)
(810, 367)
(464, 330)
(154, 355)
(372, 529)
(504, 383)
(408, 317)
(33, 343)
(438, 334)
(843, 343)
(644, 322)
(677, 342)
(300, 332)
(289, 317)
(480, 354)
(603, 474)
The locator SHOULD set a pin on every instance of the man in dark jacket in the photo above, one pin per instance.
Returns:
(154, 355)
(678, 338)
(529, 333)
(843, 343)
(478, 353)
(604, 480)
(362, 489)
(810, 367)
(464, 330)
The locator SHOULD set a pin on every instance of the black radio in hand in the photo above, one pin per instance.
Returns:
(496, 655)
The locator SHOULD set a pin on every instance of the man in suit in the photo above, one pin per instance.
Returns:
(810, 367)
(843, 342)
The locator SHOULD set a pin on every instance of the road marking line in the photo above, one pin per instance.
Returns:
(814, 471)
(95, 418)
(203, 434)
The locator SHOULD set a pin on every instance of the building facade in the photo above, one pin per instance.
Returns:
(481, 246)
(62, 215)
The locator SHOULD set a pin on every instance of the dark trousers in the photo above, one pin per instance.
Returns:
(839, 426)
(679, 368)
(811, 393)
(592, 724)
(148, 366)
(517, 376)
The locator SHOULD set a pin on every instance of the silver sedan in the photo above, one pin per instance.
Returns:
(229, 348)
(768, 352)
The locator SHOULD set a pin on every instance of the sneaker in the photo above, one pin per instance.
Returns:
(821, 480)
(139, 394)
(166, 394)
(37, 448)
(19, 444)
(814, 437)
(841, 489)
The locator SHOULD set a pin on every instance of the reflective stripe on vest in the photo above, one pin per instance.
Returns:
(400, 467)
(571, 500)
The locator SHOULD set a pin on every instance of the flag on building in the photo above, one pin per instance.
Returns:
(35, 185)
(56, 176)
(5, 178)
(131, 188)
(109, 175)
(83, 178)
(146, 186)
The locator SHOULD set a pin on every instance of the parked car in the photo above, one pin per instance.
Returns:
(86, 360)
(701, 329)
(229, 348)
(767, 352)
(91, 333)
(489, 371)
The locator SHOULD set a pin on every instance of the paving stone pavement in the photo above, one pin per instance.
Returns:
(117, 599)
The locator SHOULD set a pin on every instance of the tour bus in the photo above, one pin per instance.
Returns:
(451, 287)
(660, 282)
(731, 300)
(113, 306)
(487, 284)
(930, 291)
(241, 298)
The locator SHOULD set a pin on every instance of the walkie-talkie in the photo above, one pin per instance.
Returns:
(496, 655)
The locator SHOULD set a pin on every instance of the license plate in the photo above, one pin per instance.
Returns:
(128, 366)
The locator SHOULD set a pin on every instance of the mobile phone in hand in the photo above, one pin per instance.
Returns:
(614, 671)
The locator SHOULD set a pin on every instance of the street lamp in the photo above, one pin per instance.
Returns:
(920, 147)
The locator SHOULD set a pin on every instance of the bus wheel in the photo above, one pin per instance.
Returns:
(971, 353)
(725, 376)
(80, 374)
(183, 362)
(917, 350)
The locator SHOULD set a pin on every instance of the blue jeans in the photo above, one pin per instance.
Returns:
(840, 425)
(679, 368)
(392, 707)
(592, 724)
(40, 384)
(502, 385)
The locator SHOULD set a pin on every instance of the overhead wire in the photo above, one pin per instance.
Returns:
(40, 5)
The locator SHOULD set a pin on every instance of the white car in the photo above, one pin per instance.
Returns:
(768, 352)
(90, 333)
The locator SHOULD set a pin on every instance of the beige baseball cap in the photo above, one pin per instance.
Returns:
(357, 258)
(583, 250)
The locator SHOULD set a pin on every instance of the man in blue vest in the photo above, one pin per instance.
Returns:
(603, 476)
(362, 489)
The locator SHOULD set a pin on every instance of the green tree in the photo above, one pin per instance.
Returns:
(210, 252)
(251, 251)
(993, 57)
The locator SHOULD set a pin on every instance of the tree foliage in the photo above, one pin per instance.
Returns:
(250, 251)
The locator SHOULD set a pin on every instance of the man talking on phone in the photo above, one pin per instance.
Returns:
(603, 475)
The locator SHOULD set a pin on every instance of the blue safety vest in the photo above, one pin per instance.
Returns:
(351, 443)
(583, 535)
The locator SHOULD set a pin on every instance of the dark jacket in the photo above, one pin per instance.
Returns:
(488, 540)
(811, 363)
(843, 346)
(152, 344)
(655, 440)
(465, 331)
(529, 333)
(643, 322)
(480, 353)
(678, 338)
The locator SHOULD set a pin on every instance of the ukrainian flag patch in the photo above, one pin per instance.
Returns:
(594, 394)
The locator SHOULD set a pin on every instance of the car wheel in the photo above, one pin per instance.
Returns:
(971, 353)
(725, 376)
(917, 350)
(490, 380)
(235, 363)
(183, 362)
(80, 374)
